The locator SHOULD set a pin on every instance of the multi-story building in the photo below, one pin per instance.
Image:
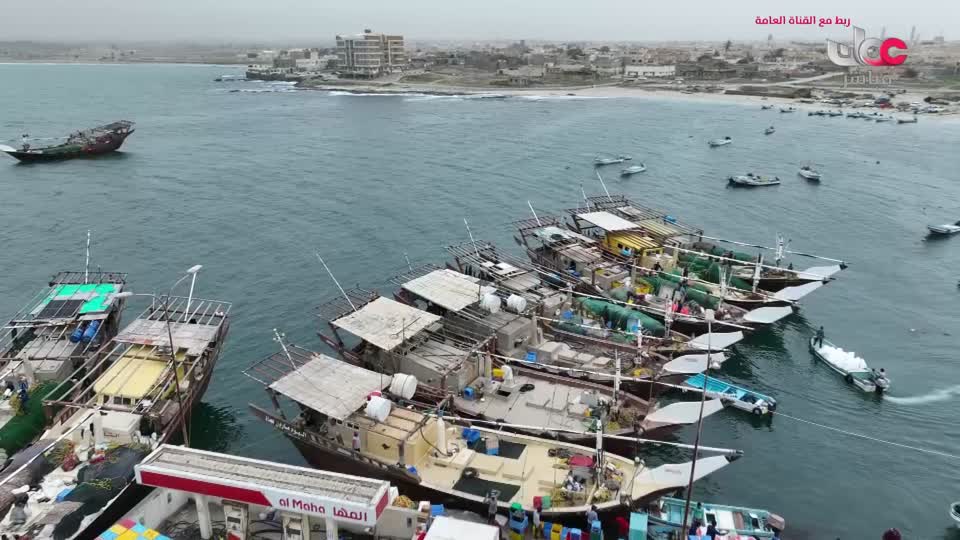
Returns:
(370, 55)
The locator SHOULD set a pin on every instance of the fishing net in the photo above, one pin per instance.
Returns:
(619, 316)
(28, 423)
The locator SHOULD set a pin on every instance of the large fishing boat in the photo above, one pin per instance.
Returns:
(85, 143)
(135, 393)
(53, 335)
(456, 358)
(362, 422)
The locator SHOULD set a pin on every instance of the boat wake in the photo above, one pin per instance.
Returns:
(944, 394)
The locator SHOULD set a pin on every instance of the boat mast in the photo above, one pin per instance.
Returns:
(604, 185)
(344, 293)
(534, 214)
(756, 272)
(696, 442)
(86, 264)
(472, 241)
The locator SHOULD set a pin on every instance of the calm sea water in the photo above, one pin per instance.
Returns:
(250, 179)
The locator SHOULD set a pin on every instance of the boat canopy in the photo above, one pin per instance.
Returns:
(448, 289)
(767, 315)
(684, 412)
(717, 341)
(687, 364)
(607, 221)
(792, 294)
(386, 323)
(820, 272)
(330, 386)
(674, 475)
(552, 233)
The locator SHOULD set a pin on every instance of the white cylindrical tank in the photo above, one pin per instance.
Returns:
(507, 374)
(491, 303)
(516, 303)
(403, 385)
(378, 408)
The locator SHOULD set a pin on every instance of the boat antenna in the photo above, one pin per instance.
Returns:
(534, 214)
(756, 272)
(696, 442)
(278, 337)
(334, 278)
(723, 287)
(86, 264)
(604, 186)
(410, 266)
(586, 201)
(472, 240)
(780, 248)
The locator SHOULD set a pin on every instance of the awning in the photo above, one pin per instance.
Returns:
(692, 363)
(684, 412)
(448, 289)
(607, 221)
(673, 475)
(385, 323)
(330, 386)
(819, 272)
(792, 294)
(718, 341)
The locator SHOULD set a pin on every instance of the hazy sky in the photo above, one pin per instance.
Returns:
(318, 20)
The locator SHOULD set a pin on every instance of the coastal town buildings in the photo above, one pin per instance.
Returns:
(370, 55)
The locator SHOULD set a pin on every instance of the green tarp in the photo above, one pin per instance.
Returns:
(99, 295)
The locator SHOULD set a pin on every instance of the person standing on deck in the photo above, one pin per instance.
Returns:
(698, 514)
(356, 441)
(592, 516)
(491, 501)
(818, 339)
(537, 525)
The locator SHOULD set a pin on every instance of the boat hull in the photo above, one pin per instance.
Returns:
(110, 143)
(860, 383)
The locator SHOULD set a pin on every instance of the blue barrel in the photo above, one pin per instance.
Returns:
(91, 331)
(77, 334)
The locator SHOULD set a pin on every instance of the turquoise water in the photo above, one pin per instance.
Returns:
(251, 183)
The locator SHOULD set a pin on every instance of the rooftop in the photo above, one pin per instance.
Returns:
(448, 289)
(607, 221)
(385, 323)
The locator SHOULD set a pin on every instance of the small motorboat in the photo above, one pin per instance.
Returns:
(817, 113)
(753, 180)
(834, 113)
(741, 398)
(809, 173)
(853, 368)
(955, 513)
(766, 107)
(611, 160)
(884, 118)
(730, 520)
(945, 229)
(720, 142)
(633, 169)
(856, 114)
(907, 120)
(769, 131)
(788, 109)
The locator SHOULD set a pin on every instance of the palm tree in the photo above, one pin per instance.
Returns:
(726, 46)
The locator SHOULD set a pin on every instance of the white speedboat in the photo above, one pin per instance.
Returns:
(945, 229)
(769, 131)
(720, 142)
(633, 169)
(853, 368)
(753, 180)
(809, 173)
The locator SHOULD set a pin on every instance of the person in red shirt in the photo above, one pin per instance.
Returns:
(623, 528)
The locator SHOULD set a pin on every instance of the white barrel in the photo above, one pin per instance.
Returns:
(516, 303)
(491, 303)
(403, 385)
(507, 373)
(378, 408)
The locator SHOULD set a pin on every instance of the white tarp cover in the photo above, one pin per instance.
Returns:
(386, 323)
(768, 315)
(608, 221)
(447, 528)
(684, 412)
(819, 272)
(718, 340)
(844, 360)
(448, 289)
(674, 475)
(792, 294)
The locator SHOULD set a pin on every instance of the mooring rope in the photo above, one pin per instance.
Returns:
(869, 438)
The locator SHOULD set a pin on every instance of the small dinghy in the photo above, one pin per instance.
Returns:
(739, 397)
(853, 368)
(788, 110)
(809, 173)
(907, 120)
(834, 113)
(769, 131)
(884, 118)
(753, 180)
(766, 107)
(610, 160)
(633, 169)
(720, 142)
(946, 229)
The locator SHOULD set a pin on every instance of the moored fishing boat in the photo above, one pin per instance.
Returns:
(136, 392)
(720, 142)
(362, 422)
(599, 161)
(753, 180)
(667, 517)
(633, 169)
(853, 368)
(946, 229)
(90, 142)
(741, 398)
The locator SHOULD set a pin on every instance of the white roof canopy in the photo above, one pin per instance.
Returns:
(684, 412)
(608, 221)
(386, 323)
(674, 475)
(718, 340)
(448, 289)
(330, 386)
(767, 315)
